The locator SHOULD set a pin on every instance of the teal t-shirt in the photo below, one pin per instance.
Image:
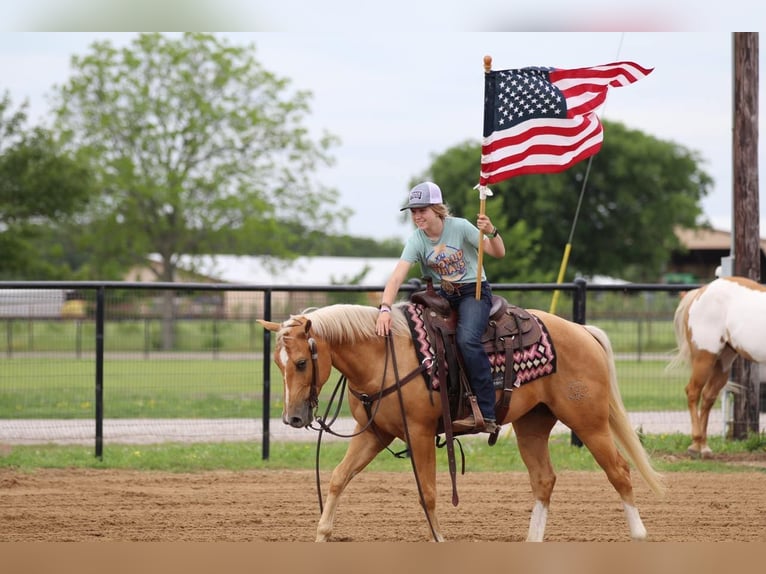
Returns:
(454, 257)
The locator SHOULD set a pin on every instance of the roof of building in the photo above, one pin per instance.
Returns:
(696, 239)
(259, 270)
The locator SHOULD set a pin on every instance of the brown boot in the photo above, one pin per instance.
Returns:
(469, 423)
(465, 424)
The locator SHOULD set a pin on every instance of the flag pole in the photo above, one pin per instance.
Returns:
(482, 206)
(568, 247)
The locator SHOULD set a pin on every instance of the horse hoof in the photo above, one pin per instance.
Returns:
(693, 452)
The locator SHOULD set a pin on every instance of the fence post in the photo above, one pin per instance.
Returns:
(100, 372)
(9, 338)
(78, 338)
(147, 336)
(578, 315)
(266, 374)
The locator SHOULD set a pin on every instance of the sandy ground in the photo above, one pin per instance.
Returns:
(282, 506)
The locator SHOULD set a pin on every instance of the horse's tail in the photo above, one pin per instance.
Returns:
(683, 352)
(627, 438)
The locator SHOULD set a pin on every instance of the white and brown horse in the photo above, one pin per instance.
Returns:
(582, 393)
(713, 325)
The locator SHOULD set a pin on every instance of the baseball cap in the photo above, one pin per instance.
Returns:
(423, 195)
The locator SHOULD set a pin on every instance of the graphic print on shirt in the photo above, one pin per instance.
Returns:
(448, 262)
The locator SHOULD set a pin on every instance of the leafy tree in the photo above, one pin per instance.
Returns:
(638, 189)
(11, 121)
(41, 187)
(198, 146)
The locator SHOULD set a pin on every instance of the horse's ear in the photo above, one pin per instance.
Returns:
(270, 326)
(307, 328)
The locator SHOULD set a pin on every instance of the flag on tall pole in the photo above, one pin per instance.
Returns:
(543, 120)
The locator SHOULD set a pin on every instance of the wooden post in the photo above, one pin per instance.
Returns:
(747, 245)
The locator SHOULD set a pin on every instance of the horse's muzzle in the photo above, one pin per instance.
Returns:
(299, 418)
(297, 422)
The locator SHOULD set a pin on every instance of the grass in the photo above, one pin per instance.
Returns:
(41, 388)
(635, 335)
(667, 451)
(79, 336)
(649, 386)
(65, 388)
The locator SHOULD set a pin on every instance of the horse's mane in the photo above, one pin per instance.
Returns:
(346, 323)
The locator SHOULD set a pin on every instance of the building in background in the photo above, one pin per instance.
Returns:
(274, 273)
(701, 254)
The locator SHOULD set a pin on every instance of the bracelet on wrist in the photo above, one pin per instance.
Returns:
(385, 310)
(493, 234)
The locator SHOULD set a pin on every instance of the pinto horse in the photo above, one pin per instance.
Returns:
(582, 393)
(713, 325)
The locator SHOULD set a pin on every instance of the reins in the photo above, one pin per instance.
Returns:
(390, 341)
(367, 400)
(322, 420)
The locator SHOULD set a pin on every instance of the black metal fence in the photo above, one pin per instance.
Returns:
(170, 361)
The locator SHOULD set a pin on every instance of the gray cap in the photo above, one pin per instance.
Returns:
(423, 195)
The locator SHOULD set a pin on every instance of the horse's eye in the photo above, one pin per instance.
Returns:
(301, 364)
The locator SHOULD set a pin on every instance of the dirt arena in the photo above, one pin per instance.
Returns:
(282, 506)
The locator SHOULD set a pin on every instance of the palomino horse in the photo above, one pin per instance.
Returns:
(582, 393)
(713, 325)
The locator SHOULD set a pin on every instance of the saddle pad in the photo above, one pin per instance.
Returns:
(530, 363)
(424, 350)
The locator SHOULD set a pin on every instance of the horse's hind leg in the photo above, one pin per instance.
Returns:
(600, 443)
(709, 395)
(532, 433)
(361, 450)
(703, 370)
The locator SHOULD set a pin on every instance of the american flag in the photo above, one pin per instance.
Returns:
(543, 120)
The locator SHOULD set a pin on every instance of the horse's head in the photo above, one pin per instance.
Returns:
(305, 363)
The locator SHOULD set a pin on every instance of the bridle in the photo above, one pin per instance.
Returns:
(314, 389)
(367, 401)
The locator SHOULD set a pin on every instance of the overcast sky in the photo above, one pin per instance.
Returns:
(395, 100)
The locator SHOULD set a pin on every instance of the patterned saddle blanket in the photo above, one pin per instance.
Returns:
(518, 344)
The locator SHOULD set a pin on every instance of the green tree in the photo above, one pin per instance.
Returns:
(41, 187)
(638, 189)
(198, 145)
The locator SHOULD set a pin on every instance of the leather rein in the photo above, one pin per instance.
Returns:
(367, 401)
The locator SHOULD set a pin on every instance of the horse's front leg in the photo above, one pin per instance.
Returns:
(361, 450)
(423, 452)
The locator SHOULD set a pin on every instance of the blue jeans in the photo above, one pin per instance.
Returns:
(472, 317)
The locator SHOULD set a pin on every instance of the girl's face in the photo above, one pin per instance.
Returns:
(423, 216)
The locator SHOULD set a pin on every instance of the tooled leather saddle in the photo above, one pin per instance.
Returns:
(509, 331)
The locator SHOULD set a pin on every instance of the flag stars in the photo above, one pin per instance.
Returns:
(526, 94)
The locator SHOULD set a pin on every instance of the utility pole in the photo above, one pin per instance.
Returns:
(747, 237)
